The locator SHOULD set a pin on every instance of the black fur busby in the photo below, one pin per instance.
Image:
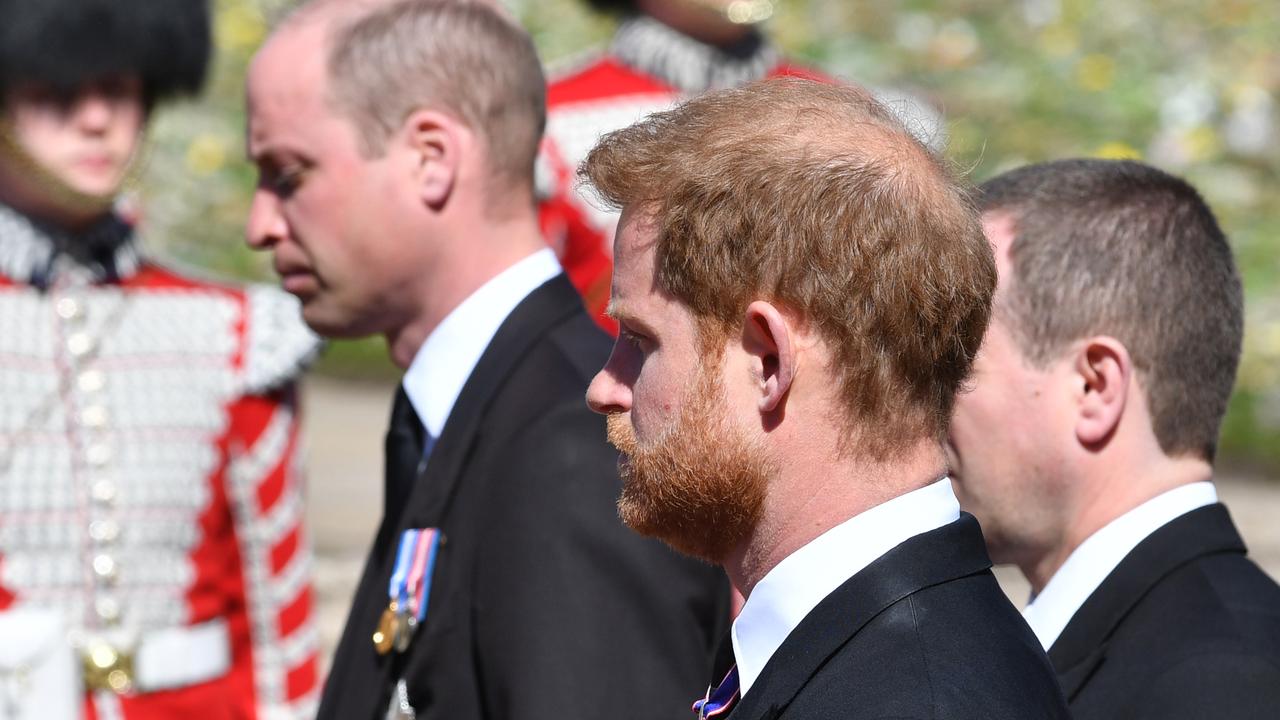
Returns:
(65, 43)
(613, 6)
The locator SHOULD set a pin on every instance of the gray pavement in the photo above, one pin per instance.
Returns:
(345, 423)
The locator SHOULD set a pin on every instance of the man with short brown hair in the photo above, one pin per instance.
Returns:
(396, 158)
(1086, 446)
(800, 287)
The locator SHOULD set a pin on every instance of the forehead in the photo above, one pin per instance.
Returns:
(634, 256)
(287, 85)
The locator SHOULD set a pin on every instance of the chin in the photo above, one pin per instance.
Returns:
(334, 324)
(96, 186)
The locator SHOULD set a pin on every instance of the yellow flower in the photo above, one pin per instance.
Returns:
(1095, 72)
(1117, 150)
(206, 155)
(1202, 143)
(1059, 40)
(239, 26)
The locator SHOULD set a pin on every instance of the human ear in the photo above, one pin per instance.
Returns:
(1104, 371)
(767, 337)
(434, 142)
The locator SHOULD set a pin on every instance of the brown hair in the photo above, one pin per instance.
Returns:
(458, 55)
(815, 197)
(1123, 249)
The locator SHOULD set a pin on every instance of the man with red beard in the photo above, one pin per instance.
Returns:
(800, 288)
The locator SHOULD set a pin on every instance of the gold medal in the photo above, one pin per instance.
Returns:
(384, 638)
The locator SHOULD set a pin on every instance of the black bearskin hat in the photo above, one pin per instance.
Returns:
(66, 43)
(613, 6)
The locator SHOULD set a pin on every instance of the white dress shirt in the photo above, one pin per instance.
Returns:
(793, 588)
(442, 365)
(1091, 563)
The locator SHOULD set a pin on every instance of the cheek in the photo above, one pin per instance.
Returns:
(655, 394)
(44, 141)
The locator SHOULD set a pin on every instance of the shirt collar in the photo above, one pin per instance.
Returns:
(1091, 563)
(793, 588)
(41, 254)
(687, 64)
(442, 365)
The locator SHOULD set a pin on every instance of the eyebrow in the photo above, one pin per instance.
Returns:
(620, 314)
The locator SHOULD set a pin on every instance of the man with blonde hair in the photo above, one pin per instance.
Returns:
(395, 142)
(800, 288)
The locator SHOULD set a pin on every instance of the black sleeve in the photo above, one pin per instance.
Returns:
(1215, 686)
(576, 616)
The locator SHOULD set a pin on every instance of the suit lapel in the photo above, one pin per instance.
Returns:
(1081, 648)
(419, 502)
(545, 307)
(948, 553)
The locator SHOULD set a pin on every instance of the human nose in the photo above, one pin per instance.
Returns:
(94, 111)
(610, 390)
(266, 225)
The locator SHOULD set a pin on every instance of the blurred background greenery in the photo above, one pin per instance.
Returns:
(1189, 85)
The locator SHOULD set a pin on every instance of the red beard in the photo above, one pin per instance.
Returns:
(700, 487)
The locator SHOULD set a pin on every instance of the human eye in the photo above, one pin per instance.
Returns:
(637, 340)
(282, 181)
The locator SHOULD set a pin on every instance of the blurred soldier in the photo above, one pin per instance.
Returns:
(1086, 447)
(395, 143)
(150, 508)
(664, 51)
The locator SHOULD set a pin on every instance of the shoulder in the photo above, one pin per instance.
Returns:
(1216, 603)
(1213, 684)
(275, 345)
(953, 650)
(597, 76)
(279, 345)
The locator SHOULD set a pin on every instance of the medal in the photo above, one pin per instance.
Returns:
(408, 591)
(384, 637)
(403, 630)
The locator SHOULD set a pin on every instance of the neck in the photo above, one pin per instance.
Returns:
(810, 499)
(481, 249)
(1110, 491)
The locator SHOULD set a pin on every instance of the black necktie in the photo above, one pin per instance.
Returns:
(404, 453)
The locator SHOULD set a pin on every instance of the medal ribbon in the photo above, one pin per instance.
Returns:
(419, 581)
(718, 702)
(404, 557)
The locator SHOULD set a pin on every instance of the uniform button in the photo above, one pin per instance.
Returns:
(94, 416)
(104, 491)
(107, 609)
(91, 381)
(69, 308)
(104, 531)
(79, 344)
(98, 455)
(104, 566)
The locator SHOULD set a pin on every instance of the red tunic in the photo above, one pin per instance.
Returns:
(647, 68)
(149, 483)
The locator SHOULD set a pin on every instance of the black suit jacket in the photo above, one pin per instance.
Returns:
(922, 632)
(1185, 627)
(543, 605)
